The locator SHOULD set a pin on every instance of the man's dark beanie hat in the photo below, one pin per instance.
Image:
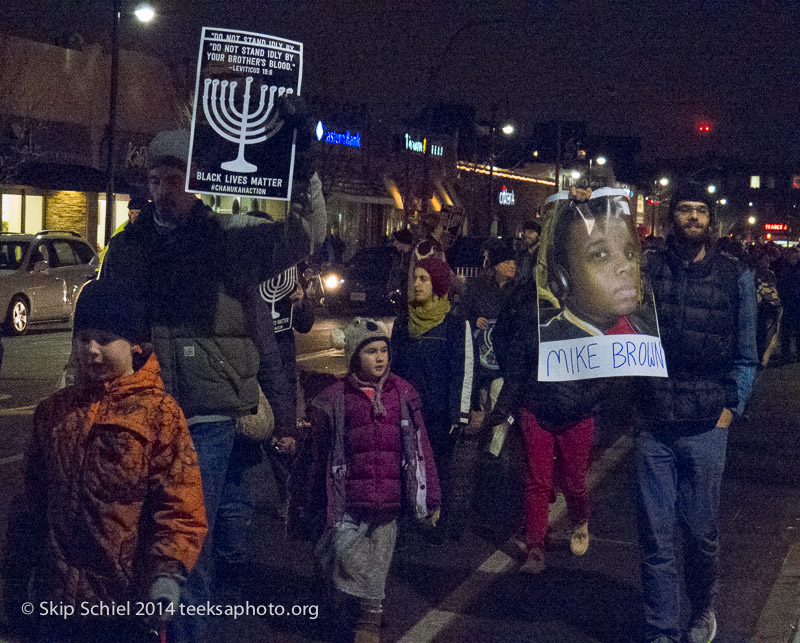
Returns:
(111, 308)
(532, 225)
(691, 191)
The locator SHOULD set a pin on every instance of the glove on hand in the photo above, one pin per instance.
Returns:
(433, 518)
(296, 115)
(167, 591)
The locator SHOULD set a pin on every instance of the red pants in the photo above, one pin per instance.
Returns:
(573, 447)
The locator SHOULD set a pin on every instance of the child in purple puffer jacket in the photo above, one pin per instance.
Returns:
(379, 464)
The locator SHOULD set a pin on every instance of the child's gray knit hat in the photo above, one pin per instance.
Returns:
(360, 331)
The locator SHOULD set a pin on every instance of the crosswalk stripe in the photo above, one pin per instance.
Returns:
(12, 458)
(19, 410)
(436, 620)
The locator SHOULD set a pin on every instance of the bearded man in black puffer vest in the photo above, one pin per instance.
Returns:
(706, 305)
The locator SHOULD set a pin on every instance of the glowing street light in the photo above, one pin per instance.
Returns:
(751, 220)
(575, 174)
(663, 181)
(723, 201)
(507, 129)
(144, 12)
(601, 160)
(712, 188)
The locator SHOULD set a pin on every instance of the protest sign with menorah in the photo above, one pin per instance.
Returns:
(239, 143)
(276, 293)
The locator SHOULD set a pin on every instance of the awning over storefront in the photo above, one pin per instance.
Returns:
(58, 176)
(441, 194)
(361, 191)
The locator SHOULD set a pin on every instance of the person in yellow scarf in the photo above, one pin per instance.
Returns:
(432, 349)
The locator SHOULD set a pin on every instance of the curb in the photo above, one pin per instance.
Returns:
(779, 621)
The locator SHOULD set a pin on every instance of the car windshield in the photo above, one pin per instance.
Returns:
(12, 253)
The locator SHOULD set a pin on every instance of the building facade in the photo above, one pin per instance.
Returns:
(53, 120)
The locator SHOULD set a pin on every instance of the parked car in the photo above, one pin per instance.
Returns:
(40, 276)
(362, 285)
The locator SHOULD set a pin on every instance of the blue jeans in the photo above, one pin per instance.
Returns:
(236, 508)
(213, 442)
(678, 482)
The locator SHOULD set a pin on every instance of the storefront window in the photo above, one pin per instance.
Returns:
(120, 215)
(12, 213)
(34, 205)
(13, 209)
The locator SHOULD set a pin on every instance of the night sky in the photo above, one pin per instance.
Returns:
(649, 69)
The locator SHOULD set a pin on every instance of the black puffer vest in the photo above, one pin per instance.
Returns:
(697, 305)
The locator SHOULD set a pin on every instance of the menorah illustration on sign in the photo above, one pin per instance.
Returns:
(241, 126)
(275, 289)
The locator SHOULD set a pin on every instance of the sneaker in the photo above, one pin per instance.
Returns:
(579, 542)
(516, 548)
(704, 627)
(535, 562)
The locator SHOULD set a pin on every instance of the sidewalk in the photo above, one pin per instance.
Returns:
(468, 591)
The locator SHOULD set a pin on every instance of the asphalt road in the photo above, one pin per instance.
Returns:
(469, 590)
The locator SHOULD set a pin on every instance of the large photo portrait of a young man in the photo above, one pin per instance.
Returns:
(597, 315)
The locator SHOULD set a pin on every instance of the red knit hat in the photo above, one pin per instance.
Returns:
(439, 273)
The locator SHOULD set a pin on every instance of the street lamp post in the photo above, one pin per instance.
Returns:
(508, 130)
(600, 160)
(493, 125)
(112, 123)
(752, 221)
(144, 13)
(660, 183)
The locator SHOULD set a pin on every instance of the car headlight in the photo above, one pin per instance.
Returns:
(332, 282)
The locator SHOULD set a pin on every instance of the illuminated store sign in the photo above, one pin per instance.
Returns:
(776, 227)
(337, 138)
(506, 196)
(421, 147)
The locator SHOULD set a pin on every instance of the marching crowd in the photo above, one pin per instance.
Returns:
(139, 474)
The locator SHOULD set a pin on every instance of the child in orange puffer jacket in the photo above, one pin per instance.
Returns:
(113, 510)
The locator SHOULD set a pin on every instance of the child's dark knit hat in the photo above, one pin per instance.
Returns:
(439, 273)
(111, 308)
(360, 331)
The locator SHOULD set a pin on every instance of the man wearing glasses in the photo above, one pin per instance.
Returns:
(706, 306)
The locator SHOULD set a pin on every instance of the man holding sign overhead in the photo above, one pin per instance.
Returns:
(707, 316)
(196, 272)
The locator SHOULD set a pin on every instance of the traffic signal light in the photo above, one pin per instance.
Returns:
(704, 127)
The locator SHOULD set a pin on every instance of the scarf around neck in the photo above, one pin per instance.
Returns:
(422, 318)
(377, 405)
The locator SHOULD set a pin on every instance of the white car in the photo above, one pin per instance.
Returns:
(40, 276)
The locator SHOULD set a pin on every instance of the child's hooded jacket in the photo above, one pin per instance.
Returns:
(113, 494)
